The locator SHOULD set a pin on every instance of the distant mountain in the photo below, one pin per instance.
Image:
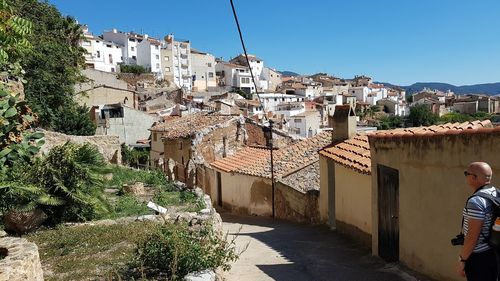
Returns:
(288, 73)
(488, 89)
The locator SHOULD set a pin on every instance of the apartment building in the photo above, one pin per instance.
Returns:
(176, 56)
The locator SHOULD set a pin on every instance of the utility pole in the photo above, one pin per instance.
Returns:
(272, 166)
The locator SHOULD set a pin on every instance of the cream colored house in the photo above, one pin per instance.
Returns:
(346, 187)
(243, 181)
(419, 191)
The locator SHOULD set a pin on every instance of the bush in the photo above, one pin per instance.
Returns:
(132, 68)
(134, 157)
(75, 120)
(176, 249)
(124, 175)
(421, 115)
(73, 174)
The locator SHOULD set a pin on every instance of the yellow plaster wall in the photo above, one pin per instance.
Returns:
(246, 194)
(353, 197)
(323, 190)
(432, 193)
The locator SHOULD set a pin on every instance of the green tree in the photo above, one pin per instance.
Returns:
(454, 117)
(53, 66)
(421, 115)
(75, 120)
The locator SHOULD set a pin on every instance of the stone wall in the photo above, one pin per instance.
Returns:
(22, 262)
(109, 146)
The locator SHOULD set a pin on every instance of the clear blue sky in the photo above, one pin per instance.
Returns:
(397, 41)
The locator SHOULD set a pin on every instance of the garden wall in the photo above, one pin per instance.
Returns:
(108, 146)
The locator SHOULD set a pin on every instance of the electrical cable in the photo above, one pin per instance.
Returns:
(246, 56)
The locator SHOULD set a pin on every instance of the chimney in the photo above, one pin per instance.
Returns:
(114, 30)
(146, 36)
(343, 123)
(169, 38)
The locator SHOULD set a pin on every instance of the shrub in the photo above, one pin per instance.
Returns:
(73, 174)
(176, 249)
(132, 68)
(124, 175)
(134, 157)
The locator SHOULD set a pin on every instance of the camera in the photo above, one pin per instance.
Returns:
(458, 240)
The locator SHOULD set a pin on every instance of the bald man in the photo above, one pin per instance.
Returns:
(477, 259)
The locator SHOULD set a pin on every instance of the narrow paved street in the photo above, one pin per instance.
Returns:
(287, 251)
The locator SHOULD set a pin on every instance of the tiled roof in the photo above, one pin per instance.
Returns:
(286, 161)
(243, 158)
(353, 153)
(188, 125)
(304, 179)
(436, 130)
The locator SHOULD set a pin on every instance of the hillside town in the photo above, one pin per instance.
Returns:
(351, 156)
(207, 125)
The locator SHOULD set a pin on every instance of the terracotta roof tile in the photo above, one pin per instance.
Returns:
(286, 161)
(435, 130)
(353, 153)
(188, 125)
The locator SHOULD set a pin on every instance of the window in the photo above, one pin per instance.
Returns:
(131, 40)
(157, 65)
(134, 57)
(156, 47)
(210, 75)
(167, 69)
(157, 57)
(132, 48)
(166, 58)
(241, 70)
(209, 64)
(154, 136)
(245, 80)
(110, 58)
(98, 54)
(353, 91)
(180, 145)
(109, 45)
(112, 69)
(297, 120)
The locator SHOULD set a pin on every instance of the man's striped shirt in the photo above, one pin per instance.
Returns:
(480, 209)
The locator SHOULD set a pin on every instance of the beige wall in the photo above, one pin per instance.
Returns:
(101, 95)
(245, 194)
(353, 197)
(178, 150)
(293, 205)
(156, 147)
(323, 189)
(432, 193)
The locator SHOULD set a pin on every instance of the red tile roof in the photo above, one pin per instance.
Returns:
(436, 130)
(242, 158)
(286, 161)
(189, 125)
(353, 153)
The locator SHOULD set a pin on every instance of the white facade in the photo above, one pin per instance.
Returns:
(270, 101)
(101, 55)
(181, 62)
(237, 76)
(128, 41)
(148, 55)
(368, 94)
(305, 124)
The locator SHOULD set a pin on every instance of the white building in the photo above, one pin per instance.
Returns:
(148, 55)
(203, 68)
(270, 101)
(305, 124)
(178, 61)
(234, 76)
(368, 94)
(101, 55)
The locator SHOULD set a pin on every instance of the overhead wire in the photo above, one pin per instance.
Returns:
(246, 56)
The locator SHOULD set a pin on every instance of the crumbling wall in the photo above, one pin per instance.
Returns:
(108, 146)
(296, 206)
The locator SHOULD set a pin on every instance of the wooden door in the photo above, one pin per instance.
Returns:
(388, 215)
(219, 190)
